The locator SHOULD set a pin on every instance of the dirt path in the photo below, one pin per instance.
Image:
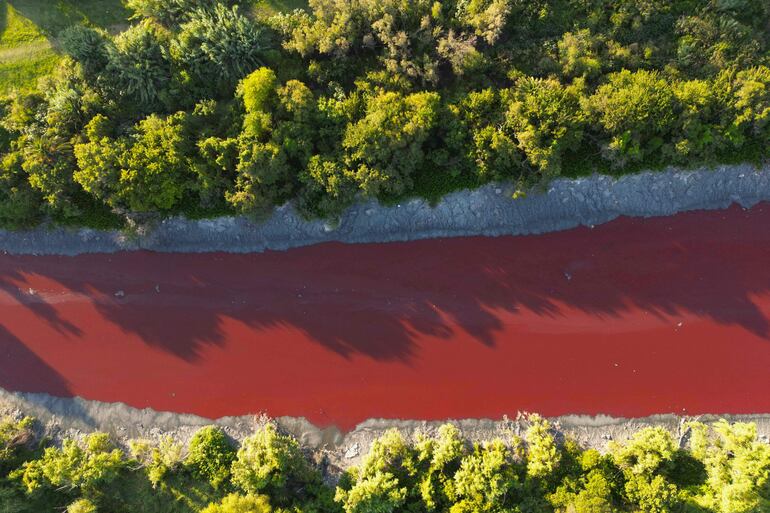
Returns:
(630, 318)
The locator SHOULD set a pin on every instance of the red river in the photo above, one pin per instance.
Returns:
(634, 317)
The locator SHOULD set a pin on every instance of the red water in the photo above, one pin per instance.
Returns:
(630, 318)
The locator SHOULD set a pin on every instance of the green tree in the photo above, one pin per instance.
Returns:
(546, 120)
(486, 480)
(636, 114)
(236, 503)
(646, 459)
(137, 70)
(737, 465)
(272, 463)
(215, 49)
(159, 459)
(169, 12)
(386, 147)
(20, 204)
(85, 466)
(88, 46)
(543, 456)
(81, 506)
(210, 455)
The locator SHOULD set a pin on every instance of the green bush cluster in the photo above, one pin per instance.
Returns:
(204, 107)
(718, 468)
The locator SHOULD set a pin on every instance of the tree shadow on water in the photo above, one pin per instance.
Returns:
(374, 300)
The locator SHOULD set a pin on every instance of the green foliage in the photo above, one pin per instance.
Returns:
(724, 468)
(215, 49)
(272, 463)
(257, 89)
(547, 120)
(211, 453)
(88, 46)
(159, 459)
(81, 506)
(20, 204)
(737, 466)
(204, 107)
(637, 112)
(15, 435)
(235, 503)
(485, 481)
(542, 455)
(78, 465)
(168, 12)
(646, 459)
(386, 147)
(137, 70)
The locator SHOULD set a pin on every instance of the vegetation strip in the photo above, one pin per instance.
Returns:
(529, 464)
(200, 107)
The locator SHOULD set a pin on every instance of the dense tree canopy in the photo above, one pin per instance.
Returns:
(717, 468)
(208, 106)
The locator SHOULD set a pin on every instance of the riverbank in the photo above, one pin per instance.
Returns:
(62, 418)
(489, 211)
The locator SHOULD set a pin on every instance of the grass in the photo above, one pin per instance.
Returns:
(269, 7)
(28, 30)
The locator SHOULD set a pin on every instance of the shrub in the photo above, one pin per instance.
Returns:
(210, 455)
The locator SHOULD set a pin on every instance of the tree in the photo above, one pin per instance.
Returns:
(137, 70)
(546, 120)
(236, 503)
(169, 12)
(543, 456)
(83, 466)
(272, 463)
(486, 481)
(88, 46)
(155, 171)
(378, 493)
(14, 436)
(20, 204)
(578, 56)
(210, 455)
(385, 148)
(99, 160)
(81, 506)
(737, 466)
(636, 113)
(215, 49)
(146, 172)
(158, 459)
(444, 456)
(750, 97)
(646, 459)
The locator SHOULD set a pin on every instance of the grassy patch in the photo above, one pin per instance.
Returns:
(28, 29)
(269, 7)
(52, 16)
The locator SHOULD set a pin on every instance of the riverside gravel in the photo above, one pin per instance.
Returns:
(489, 210)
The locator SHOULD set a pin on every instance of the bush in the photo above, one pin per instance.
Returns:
(235, 503)
(211, 453)
(271, 463)
(214, 109)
